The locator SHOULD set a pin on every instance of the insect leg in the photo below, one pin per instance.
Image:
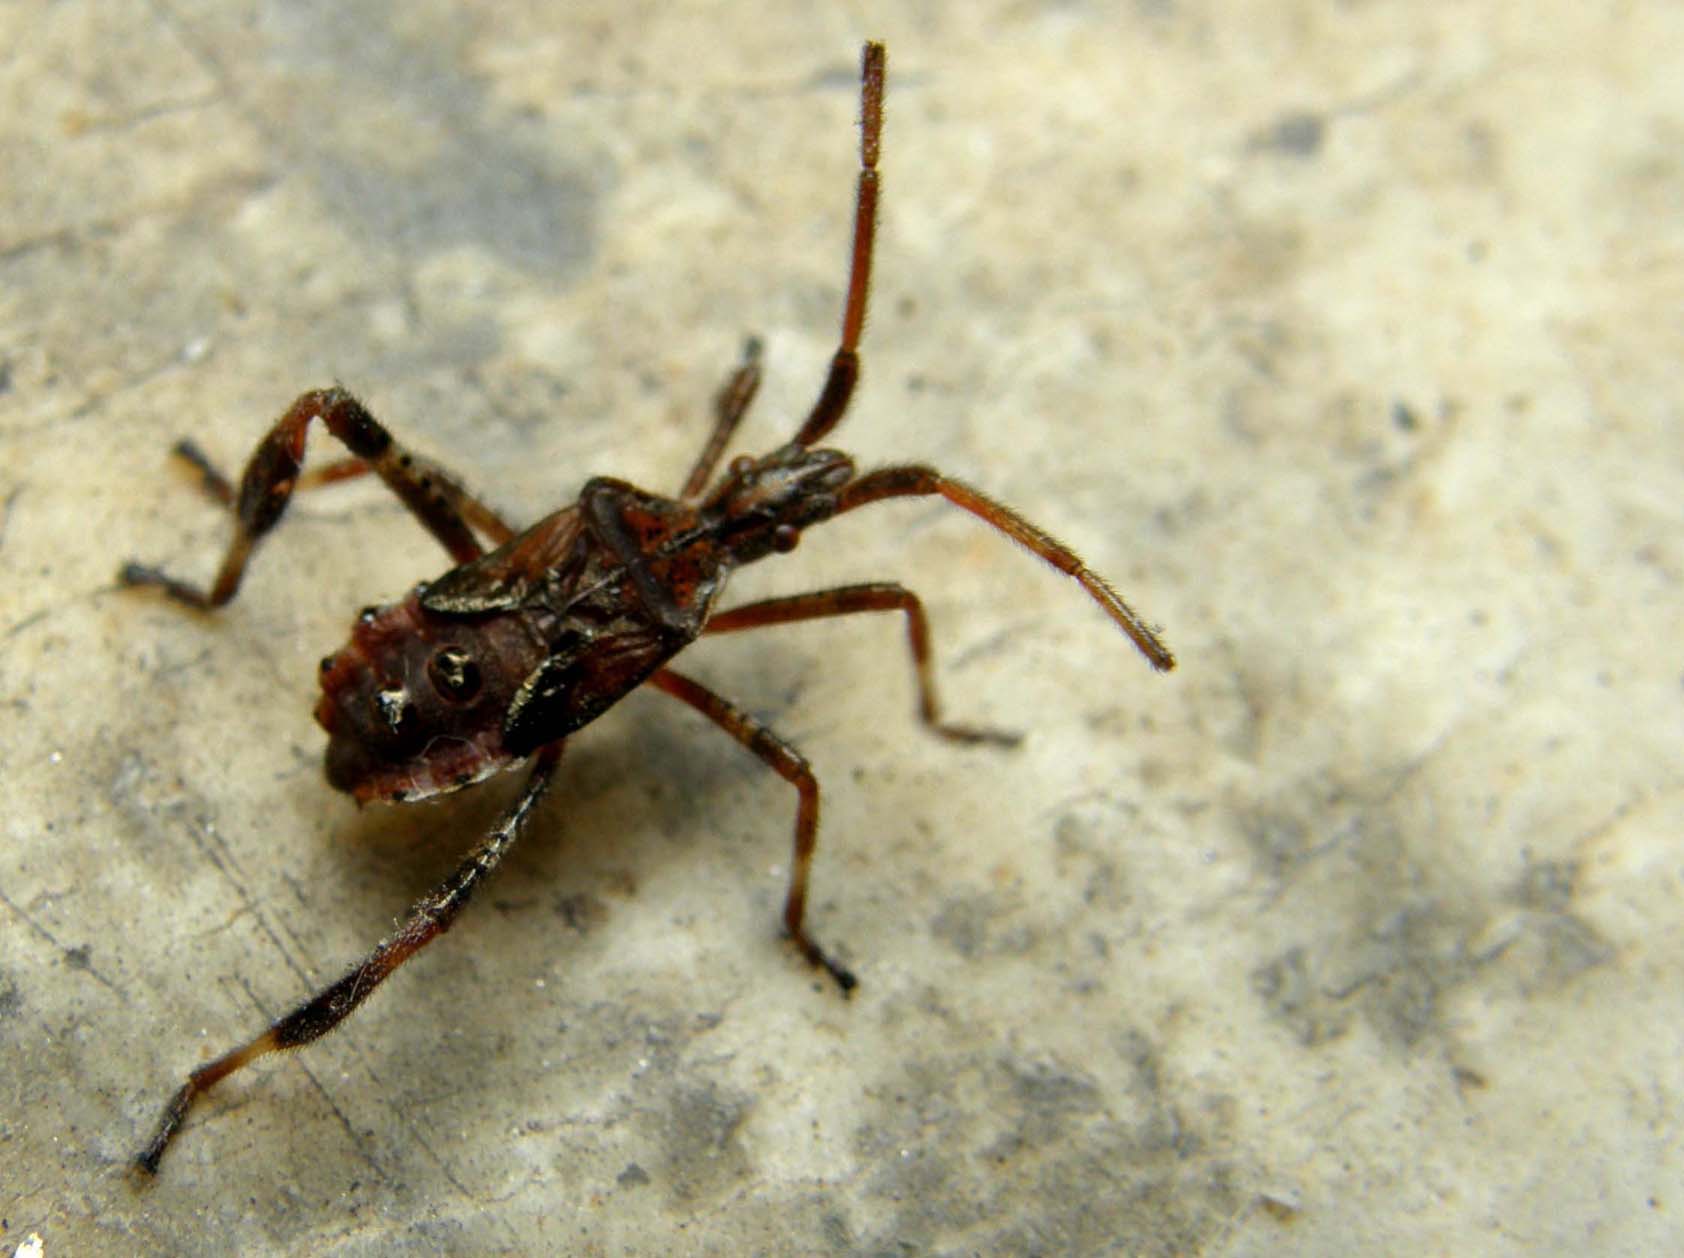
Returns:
(790, 765)
(435, 497)
(729, 406)
(220, 489)
(913, 481)
(429, 918)
(845, 363)
(878, 596)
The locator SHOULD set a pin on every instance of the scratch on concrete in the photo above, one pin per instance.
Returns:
(77, 958)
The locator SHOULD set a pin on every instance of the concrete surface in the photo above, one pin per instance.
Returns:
(1345, 338)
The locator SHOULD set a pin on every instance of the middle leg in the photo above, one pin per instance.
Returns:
(792, 766)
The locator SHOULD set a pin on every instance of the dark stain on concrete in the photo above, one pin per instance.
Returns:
(1383, 932)
(447, 167)
(1028, 1154)
(697, 1132)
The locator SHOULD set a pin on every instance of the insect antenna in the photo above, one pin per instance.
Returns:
(845, 363)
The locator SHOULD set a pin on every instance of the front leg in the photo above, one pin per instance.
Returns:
(730, 404)
(877, 596)
(432, 495)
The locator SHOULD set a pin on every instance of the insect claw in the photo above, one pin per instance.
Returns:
(820, 959)
(842, 974)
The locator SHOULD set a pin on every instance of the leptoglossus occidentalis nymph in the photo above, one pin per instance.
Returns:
(515, 648)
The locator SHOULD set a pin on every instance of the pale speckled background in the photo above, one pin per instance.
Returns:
(1345, 337)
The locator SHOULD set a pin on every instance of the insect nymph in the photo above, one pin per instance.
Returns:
(499, 660)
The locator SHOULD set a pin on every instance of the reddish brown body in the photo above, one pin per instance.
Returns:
(538, 638)
(534, 634)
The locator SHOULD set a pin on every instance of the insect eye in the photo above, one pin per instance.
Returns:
(394, 708)
(455, 674)
(785, 538)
